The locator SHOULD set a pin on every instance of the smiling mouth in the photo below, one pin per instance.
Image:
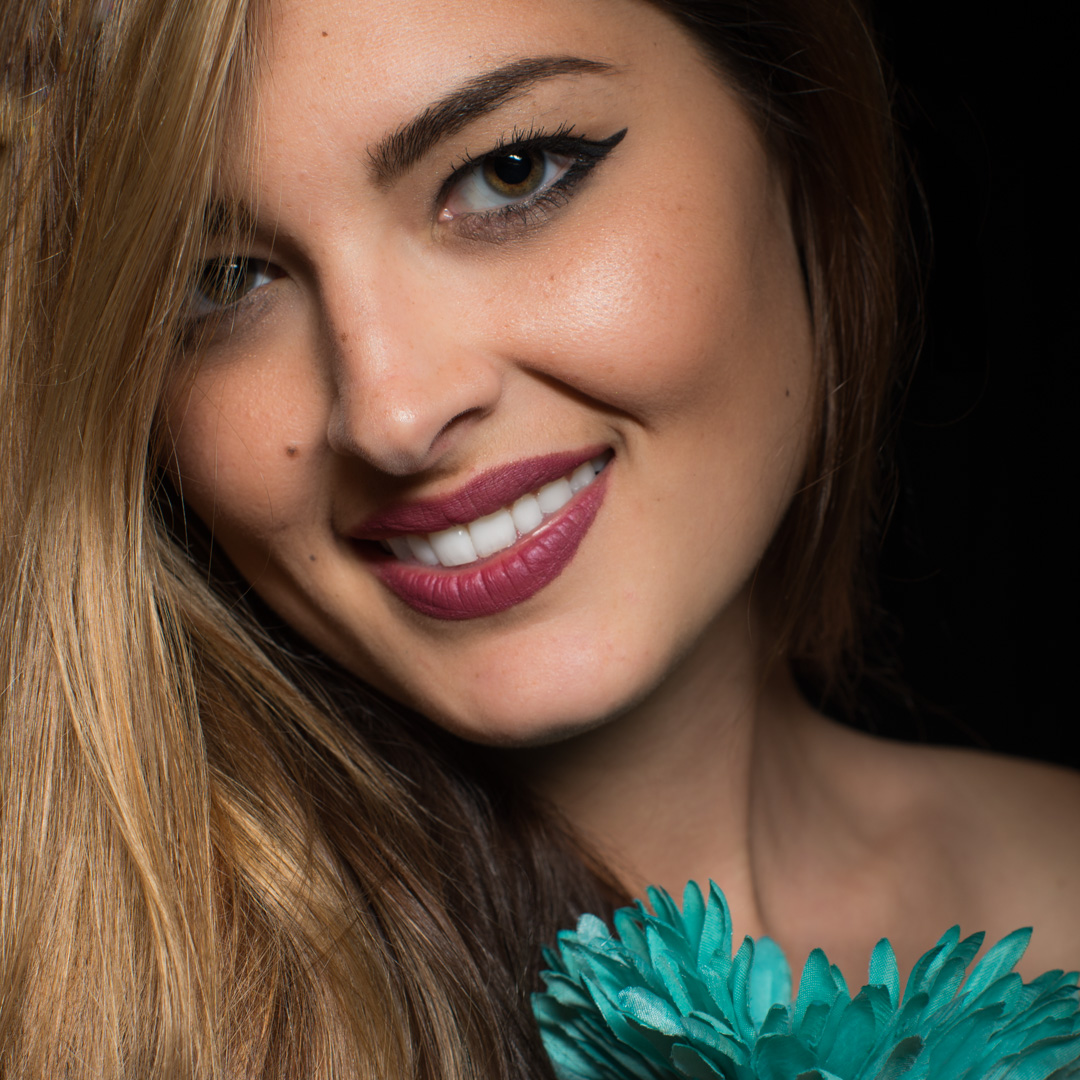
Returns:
(475, 557)
(469, 542)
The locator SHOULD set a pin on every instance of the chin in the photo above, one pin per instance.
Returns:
(524, 726)
(519, 732)
(541, 712)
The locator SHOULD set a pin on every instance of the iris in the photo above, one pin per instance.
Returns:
(515, 175)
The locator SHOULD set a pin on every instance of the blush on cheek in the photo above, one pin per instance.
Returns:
(665, 335)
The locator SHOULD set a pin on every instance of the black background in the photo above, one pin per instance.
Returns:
(978, 567)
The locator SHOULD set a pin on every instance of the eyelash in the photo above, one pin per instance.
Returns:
(503, 222)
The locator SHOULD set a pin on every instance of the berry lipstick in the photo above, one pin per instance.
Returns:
(493, 543)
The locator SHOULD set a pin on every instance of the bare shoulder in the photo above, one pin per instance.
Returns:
(1014, 828)
(1005, 833)
(969, 837)
(1003, 814)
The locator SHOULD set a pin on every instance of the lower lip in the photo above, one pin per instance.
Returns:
(508, 578)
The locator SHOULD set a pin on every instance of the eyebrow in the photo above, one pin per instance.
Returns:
(395, 154)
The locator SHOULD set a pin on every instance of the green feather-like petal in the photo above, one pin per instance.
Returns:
(884, 971)
(662, 998)
(770, 979)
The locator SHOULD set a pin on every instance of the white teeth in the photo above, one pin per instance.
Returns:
(526, 513)
(582, 477)
(492, 533)
(422, 550)
(464, 544)
(554, 496)
(453, 546)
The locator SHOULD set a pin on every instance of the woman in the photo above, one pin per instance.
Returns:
(525, 363)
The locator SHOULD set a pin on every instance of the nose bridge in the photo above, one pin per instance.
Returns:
(404, 369)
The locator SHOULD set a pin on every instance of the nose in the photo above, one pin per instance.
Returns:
(410, 374)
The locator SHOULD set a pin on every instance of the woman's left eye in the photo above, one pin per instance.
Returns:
(519, 179)
(503, 179)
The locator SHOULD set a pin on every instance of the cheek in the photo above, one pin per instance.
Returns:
(244, 436)
(673, 312)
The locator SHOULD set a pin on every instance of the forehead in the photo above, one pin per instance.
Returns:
(379, 60)
(343, 81)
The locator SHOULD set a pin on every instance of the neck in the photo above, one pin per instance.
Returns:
(816, 833)
(667, 791)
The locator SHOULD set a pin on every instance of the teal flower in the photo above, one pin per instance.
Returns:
(664, 998)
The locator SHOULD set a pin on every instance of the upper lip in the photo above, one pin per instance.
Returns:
(482, 495)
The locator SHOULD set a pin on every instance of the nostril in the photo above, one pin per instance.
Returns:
(462, 421)
(402, 409)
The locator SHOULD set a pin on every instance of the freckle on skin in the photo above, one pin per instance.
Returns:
(312, 558)
(325, 34)
(291, 451)
(344, 336)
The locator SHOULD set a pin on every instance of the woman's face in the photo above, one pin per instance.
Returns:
(495, 242)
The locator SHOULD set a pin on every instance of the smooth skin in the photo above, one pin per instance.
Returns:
(397, 344)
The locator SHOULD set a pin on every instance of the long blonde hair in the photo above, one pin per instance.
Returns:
(217, 858)
(207, 870)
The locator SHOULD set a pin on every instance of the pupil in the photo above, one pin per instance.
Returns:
(224, 280)
(513, 169)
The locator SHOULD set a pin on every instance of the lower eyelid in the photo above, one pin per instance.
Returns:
(506, 222)
(214, 328)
